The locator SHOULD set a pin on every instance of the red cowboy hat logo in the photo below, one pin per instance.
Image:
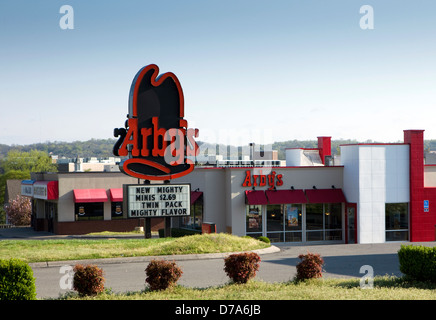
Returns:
(156, 137)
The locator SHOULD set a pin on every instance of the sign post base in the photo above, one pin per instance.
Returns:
(147, 228)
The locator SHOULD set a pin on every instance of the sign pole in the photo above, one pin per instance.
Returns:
(167, 220)
(147, 228)
(147, 221)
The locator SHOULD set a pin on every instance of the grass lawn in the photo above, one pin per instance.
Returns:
(385, 288)
(78, 249)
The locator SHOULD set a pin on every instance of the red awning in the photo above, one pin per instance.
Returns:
(254, 197)
(286, 196)
(116, 194)
(47, 190)
(325, 195)
(195, 195)
(90, 195)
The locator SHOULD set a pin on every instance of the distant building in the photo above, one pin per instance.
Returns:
(92, 164)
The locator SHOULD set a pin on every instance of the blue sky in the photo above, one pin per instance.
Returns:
(258, 71)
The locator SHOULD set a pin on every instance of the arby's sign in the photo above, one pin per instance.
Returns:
(156, 137)
(259, 179)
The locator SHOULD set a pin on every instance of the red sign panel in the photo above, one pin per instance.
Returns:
(156, 137)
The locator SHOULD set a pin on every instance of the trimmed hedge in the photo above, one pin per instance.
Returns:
(88, 280)
(418, 262)
(264, 239)
(310, 266)
(241, 267)
(16, 280)
(162, 274)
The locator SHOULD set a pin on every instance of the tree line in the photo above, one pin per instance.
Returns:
(91, 148)
(103, 147)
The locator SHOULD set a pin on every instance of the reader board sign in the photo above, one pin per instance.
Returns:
(158, 200)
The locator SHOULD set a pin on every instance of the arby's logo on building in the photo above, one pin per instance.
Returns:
(259, 179)
(156, 137)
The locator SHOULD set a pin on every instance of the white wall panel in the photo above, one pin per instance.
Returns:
(373, 176)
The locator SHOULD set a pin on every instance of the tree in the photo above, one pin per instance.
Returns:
(32, 161)
(19, 165)
(18, 211)
(10, 175)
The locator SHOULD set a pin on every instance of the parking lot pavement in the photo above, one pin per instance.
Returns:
(26, 233)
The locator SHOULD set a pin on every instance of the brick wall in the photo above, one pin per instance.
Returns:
(124, 225)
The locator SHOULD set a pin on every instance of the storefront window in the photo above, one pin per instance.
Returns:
(293, 217)
(324, 221)
(397, 221)
(274, 217)
(293, 222)
(195, 219)
(333, 221)
(274, 222)
(287, 222)
(88, 211)
(284, 222)
(116, 210)
(254, 220)
(314, 222)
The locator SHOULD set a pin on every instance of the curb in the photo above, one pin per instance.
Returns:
(181, 257)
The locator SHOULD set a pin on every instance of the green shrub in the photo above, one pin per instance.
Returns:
(418, 262)
(264, 239)
(310, 266)
(162, 274)
(16, 280)
(88, 280)
(241, 267)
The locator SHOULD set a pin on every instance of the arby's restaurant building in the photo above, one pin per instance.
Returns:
(377, 193)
